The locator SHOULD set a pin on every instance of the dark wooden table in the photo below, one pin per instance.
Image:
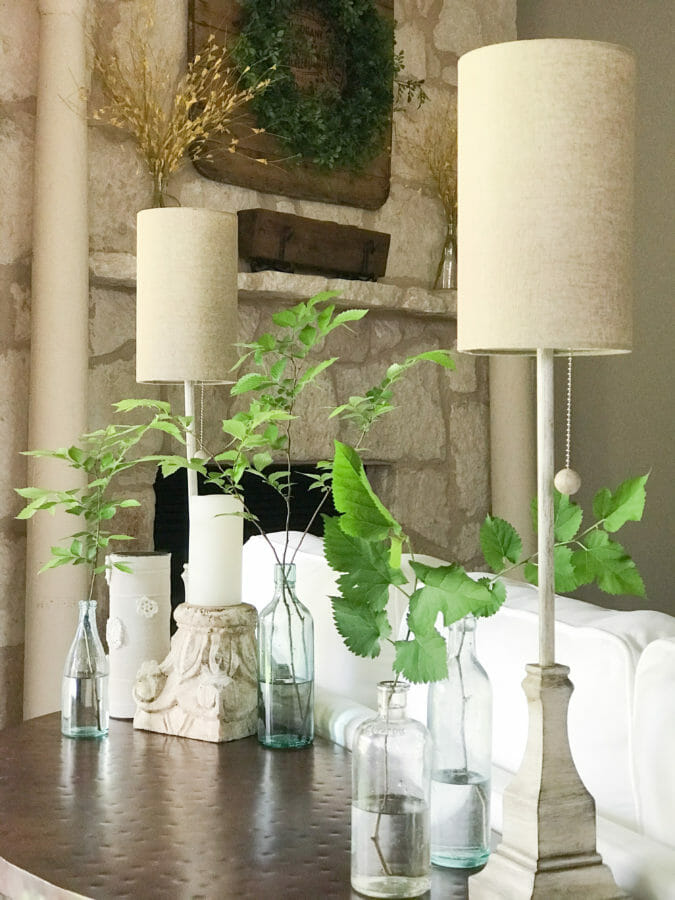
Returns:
(146, 816)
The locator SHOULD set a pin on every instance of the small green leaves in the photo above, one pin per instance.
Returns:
(626, 504)
(500, 543)
(364, 411)
(423, 659)
(102, 455)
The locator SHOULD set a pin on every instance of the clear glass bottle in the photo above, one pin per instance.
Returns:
(285, 667)
(460, 722)
(84, 689)
(391, 759)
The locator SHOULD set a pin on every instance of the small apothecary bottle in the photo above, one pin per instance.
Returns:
(391, 757)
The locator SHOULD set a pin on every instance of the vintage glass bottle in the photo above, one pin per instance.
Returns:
(285, 667)
(460, 722)
(84, 688)
(391, 758)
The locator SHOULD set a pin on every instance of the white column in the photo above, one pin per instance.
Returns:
(59, 335)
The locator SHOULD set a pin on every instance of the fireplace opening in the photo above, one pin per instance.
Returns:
(172, 524)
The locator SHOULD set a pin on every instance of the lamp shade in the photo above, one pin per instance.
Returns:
(545, 197)
(186, 295)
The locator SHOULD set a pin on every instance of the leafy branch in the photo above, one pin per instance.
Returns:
(102, 455)
(364, 545)
(280, 368)
(580, 557)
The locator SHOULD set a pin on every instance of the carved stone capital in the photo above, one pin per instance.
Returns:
(206, 688)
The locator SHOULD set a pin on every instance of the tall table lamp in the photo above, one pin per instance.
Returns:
(545, 171)
(186, 327)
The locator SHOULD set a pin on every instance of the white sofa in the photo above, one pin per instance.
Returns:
(621, 717)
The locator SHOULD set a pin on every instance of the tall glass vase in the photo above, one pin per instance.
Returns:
(391, 757)
(285, 667)
(460, 722)
(84, 688)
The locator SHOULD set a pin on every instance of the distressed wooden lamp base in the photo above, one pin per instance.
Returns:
(548, 847)
(206, 688)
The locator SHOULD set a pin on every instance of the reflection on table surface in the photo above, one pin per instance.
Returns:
(154, 816)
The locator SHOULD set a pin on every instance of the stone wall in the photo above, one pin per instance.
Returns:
(436, 480)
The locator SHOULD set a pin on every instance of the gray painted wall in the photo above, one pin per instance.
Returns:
(623, 409)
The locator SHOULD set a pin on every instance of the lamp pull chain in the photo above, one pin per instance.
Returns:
(567, 481)
(201, 453)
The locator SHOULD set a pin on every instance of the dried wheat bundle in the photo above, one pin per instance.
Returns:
(168, 114)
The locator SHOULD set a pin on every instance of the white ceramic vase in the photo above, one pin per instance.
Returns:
(138, 623)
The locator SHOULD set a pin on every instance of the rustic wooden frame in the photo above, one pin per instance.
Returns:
(367, 189)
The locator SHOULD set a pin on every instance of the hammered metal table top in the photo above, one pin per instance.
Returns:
(145, 815)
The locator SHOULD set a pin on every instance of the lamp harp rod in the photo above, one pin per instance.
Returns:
(190, 442)
(545, 509)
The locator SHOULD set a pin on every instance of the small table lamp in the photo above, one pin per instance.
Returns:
(545, 184)
(186, 327)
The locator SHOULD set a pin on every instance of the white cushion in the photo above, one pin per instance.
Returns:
(654, 740)
(602, 648)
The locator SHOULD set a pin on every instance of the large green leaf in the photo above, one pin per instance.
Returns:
(500, 543)
(363, 514)
(567, 520)
(360, 627)
(606, 562)
(424, 658)
(566, 575)
(626, 504)
(448, 590)
(567, 517)
(497, 590)
(367, 574)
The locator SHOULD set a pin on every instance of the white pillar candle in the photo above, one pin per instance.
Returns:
(215, 547)
(138, 624)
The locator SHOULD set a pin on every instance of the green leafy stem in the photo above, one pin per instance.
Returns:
(364, 543)
(102, 455)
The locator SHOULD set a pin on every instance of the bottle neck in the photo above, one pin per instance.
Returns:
(392, 698)
(284, 575)
(461, 640)
(87, 608)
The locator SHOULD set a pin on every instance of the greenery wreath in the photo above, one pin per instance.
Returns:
(334, 125)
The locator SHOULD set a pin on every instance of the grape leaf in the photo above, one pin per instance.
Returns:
(448, 590)
(626, 504)
(606, 562)
(566, 576)
(497, 591)
(360, 627)
(423, 658)
(363, 514)
(500, 543)
(567, 517)
(367, 574)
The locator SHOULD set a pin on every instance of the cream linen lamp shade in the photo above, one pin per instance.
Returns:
(186, 315)
(545, 197)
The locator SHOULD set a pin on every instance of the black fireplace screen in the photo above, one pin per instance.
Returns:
(171, 514)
